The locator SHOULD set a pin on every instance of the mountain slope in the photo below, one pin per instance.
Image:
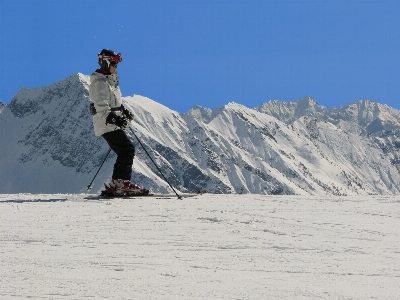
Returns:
(2, 106)
(295, 147)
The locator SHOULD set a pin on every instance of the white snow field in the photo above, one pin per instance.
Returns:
(61, 246)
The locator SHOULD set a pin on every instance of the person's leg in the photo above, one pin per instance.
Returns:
(125, 150)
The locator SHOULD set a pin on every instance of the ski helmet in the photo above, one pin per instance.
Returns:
(106, 57)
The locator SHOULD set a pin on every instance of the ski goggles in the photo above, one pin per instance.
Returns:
(113, 58)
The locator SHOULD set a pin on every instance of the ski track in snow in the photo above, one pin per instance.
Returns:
(61, 246)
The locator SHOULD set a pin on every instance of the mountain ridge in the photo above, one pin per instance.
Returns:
(379, 116)
(295, 147)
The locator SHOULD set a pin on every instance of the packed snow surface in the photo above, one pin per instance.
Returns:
(63, 246)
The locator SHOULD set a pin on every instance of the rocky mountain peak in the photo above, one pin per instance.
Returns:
(30, 101)
(307, 106)
(200, 113)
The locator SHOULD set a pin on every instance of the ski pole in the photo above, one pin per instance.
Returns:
(90, 184)
(179, 197)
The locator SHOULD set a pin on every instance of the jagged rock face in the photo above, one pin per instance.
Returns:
(62, 128)
(299, 147)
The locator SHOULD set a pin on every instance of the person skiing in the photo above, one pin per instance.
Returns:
(110, 119)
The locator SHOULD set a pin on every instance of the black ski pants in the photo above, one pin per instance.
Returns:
(125, 150)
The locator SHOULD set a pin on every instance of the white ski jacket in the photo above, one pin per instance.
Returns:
(106, 95)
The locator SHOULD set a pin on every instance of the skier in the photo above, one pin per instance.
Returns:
(110, 119)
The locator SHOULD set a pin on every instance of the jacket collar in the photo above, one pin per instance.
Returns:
(102, 71)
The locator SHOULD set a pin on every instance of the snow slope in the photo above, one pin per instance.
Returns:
(60, 246)
(2, 106)
(297, 147)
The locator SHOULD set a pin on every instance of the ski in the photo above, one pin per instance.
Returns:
(109, 193)
(138, 196)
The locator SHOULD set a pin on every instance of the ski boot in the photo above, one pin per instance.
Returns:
(126, 188)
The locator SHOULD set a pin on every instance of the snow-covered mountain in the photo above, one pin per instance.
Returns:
(297, 147)
(372, 116)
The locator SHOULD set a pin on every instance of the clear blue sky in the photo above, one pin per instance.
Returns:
(183, 53)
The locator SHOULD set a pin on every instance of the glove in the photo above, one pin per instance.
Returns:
(92, 109)
(112, 118)
(127, 113)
